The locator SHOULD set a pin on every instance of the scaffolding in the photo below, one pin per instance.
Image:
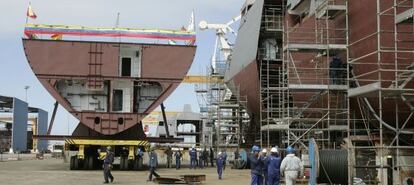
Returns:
(301, 95)
(383, 88)
(222, 109)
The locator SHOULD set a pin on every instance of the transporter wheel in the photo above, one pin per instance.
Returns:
(140, 163)
(123, 165)
(85, 163)
(75, 163)
(135, 164)
(72, 163)
(91, 163)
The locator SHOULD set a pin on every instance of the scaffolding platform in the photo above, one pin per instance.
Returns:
(330, 11)
(372, 90)
(405, 17)
(274, 127)
(316, 87)
(313, 47)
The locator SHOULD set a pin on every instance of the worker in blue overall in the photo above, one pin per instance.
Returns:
(152, 163)
(273, 167)
(178, 159)
(193, 158)
(264, 154)
(109, 159)
(256, 166)
(220, 165)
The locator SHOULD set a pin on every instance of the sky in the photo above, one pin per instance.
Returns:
(15, 73)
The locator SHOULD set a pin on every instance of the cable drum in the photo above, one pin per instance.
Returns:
(333, 166)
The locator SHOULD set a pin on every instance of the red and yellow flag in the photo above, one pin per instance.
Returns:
(30, 13)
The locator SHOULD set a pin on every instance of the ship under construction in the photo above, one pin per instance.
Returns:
(333, 78)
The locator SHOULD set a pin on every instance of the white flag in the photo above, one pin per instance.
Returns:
(191, 25)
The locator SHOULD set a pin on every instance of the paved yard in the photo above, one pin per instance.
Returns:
(55, 172)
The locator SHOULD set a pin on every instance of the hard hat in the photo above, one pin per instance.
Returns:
(274, 150)
(264, 150)
(219, 153)
(193, 146)
(255, 148)
(108, 148)
(290, 150)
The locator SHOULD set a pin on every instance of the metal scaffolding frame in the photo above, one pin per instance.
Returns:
(298, 101)
(223, 109)
(392, 81)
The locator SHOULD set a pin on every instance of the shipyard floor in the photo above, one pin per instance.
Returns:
(55, 172)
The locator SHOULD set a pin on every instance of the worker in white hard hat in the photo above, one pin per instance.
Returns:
(220, 164)
(265, 157)
(273, 167)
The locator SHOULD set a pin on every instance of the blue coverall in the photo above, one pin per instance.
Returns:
(177, 160)
(256, 166)
(109, 159)
(220, 165)
(265, 175)
(273, 169)
(193, 158)
(153, 163)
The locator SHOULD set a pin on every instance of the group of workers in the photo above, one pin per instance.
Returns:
(267, 169)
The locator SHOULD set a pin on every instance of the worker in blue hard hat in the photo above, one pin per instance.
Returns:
(273, 167)
(256, 166)
(291, 167)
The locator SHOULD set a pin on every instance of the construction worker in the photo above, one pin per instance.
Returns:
(335, 68)
(291, 167)
(169, 153)
(152, 163)
(107, 166)
(193, 158)
(178, 159)
(264, 154)
(220, 164)
(224, 153)
(273, 167)
(205, 157)
(201, 160)
(212, 157)
(256, 166)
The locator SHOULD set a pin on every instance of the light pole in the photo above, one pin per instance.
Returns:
(26, 88)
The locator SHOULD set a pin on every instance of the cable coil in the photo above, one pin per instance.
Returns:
(333, 166)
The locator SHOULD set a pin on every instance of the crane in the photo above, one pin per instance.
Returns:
(221, 31)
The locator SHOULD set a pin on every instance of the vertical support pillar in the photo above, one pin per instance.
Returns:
(19, 126)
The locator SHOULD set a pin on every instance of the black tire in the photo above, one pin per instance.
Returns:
(135, 164)
(76, 163)
(122, 164)
(85, 163)
(91, 163)
(72, 163)
(140, 163)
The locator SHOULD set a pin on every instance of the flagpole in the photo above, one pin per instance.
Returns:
(27, 16)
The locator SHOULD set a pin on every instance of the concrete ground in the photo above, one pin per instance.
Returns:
(55, 172)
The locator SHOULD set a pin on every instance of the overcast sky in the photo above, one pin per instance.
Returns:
(15, 72)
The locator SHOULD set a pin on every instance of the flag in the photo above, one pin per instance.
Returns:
(56, 37)
(191, 26)
(30, 13)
